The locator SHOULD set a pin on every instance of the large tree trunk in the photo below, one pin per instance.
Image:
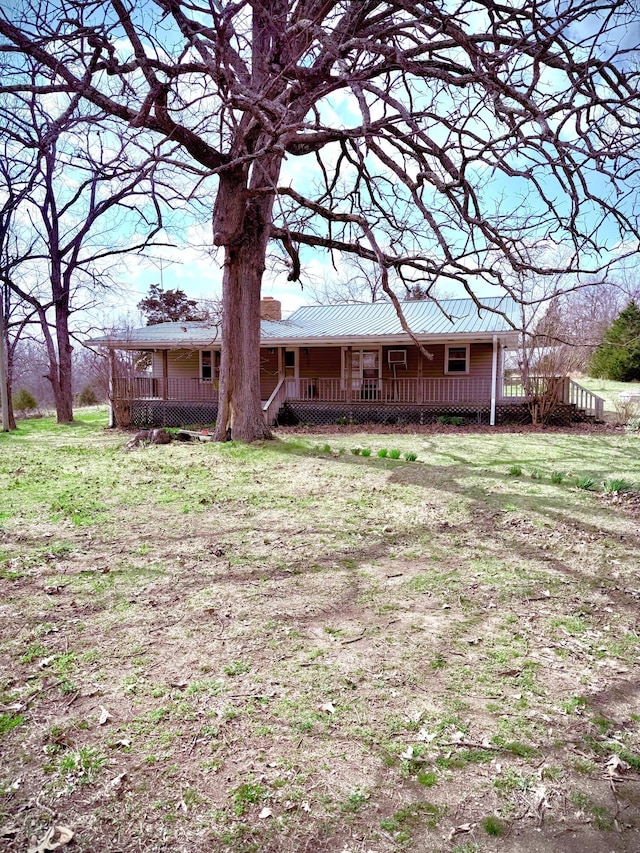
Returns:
(240, 414)
(11, 415)
(59, 372)
(64, 392)
(242, 222)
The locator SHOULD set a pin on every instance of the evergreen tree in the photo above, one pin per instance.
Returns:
(618, 356)
(166, 306)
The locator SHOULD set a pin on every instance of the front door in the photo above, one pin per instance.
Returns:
(365, 371)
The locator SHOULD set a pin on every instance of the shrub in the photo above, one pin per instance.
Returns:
(535, 474)
(451, 420)
(87, 397)
(24, 401)
(356, 450)
(514, 470)
(366, 451)
(383, 452)
(394, 454)
(633, 425)
(557, 476)
(626, 410)
(410, 456)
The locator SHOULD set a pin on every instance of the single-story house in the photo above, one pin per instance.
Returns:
(324, 364)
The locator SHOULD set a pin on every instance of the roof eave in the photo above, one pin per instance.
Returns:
(317, 341)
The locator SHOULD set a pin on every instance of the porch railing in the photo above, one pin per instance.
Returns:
(564, 389)
(458, 390)
(157, 388)
(586, 400)
(419, 391)
(275, 402)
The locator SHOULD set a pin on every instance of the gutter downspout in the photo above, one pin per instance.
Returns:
(494, 378)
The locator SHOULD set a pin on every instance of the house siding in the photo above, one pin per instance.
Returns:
(181, 364)
(327, 362)
(268, 371)
(319, 361)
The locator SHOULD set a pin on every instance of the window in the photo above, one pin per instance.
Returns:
(206, 365)
(457, 359)
(290, 362)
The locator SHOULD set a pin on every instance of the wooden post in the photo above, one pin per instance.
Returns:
(165, 373)
(348, 365)
(112, 388)
(494, 379)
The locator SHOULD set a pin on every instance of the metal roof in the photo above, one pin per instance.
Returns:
(341, 323)
(424, 318)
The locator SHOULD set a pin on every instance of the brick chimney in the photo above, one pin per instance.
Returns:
(270, 308)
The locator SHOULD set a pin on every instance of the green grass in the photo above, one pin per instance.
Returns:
(291, 630)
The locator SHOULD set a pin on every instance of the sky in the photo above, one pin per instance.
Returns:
(198, 271)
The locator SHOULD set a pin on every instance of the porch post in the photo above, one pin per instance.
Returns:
(112, 387)
(348, 370)
(165, 373)
(494, 380)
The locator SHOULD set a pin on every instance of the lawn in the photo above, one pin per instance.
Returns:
(292, 646)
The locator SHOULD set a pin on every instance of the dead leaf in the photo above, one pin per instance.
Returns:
(328, 707)
(540, 802)
(105, 716)
(426, 736)
(615, 765)
(463, 827)
(265, 813)
(116, 782)
(49, 841)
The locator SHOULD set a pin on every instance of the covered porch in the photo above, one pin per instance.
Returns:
(147, 400)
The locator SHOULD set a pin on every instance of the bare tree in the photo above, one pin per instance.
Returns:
(588, 312)
(16, 178)
(86, 195)
(357, 281)
(547, 356)
(442, 141)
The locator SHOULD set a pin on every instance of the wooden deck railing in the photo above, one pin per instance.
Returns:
(155, 388)
(566, 390)
(275, 402)
(420, 391)
(586, 400)
(461, 389)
